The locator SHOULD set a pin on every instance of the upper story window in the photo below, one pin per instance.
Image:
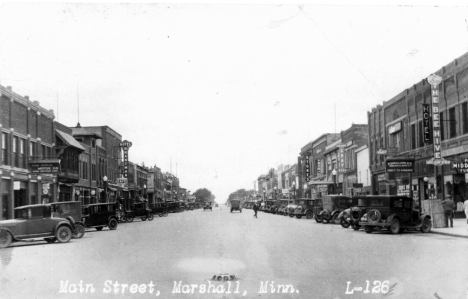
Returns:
(453, 124)
(5, 148)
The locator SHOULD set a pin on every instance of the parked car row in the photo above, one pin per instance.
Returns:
(370, 213)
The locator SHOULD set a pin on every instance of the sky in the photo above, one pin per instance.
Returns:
(224, 92)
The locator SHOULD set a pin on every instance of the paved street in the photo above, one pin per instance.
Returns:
(317, 260)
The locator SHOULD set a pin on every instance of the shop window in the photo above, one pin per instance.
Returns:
(32, 149)
(452, 123)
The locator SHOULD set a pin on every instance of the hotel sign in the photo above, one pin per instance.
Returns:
(307, 165)
(341, 157)
(125, 145)
(435, 80)
(426, 123)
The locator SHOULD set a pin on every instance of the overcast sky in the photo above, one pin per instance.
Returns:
(225, 91)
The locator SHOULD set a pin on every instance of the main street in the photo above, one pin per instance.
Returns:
(315, 260)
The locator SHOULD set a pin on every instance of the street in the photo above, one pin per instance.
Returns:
(176, 257)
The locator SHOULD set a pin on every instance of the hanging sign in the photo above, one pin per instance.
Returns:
(461, 166)
(341, 158)
(435, 80)
(399, 165)
(307, 165)
(426, 122)
(125, 145)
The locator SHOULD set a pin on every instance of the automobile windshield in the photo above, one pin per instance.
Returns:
(21, 214)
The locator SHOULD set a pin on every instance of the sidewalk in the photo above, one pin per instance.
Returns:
(459, 229)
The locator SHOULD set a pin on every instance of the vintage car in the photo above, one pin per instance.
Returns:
(33, 222)
(282, 206)
(395, 213)
(333, 205)
(305, 207)
(100, 215)
(290, 208)
(190, 206)
(173, 207)
(317, 209)
(159, 209)
(357, 212)
(138, 210)
(273, 206)
(207, 206)
(236, 205)
(70, 210)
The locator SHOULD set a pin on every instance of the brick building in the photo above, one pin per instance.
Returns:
(396, 128)
(28, 135)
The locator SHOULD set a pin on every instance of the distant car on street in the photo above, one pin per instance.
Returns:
(34, 222)
(207, 206)
(236, 205)
(305, 207)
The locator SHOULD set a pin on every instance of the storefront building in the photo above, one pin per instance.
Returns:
(28, 136)
(402, 128)
(363, 170)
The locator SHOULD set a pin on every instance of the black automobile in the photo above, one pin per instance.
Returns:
(160, 209)
(70, 210)
(100, 215)
(394, 213)
(173, 207)
(138, 210)
(207, 206)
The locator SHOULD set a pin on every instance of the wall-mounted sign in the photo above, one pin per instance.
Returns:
(461, 166)
(125, 145)
(399, 165)
(426, 122)
(307, 166)
(319, 167)
(341, 157)
(16, 185)
(382, 151)
(435, 80)
(46, 167)
(394, 128)
(358, 186)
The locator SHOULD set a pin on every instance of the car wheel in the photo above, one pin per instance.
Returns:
(356, 227)
(5, 239)
(50, 240)
(318, 218)
(374, 216)
(309, 215)
(335, 218)
(112, 224)
(99, 228)
(143, 218)
(368, 230)
(291, 215)
(79, 231)
(395, 226)
(165, 213)
(160, 214)
(220, 278)
(63, 234)
(325, 218)
(226, 278)
(150, 216)
(344, 222)
(298, 216)
(426, 225)
(130, 218)
(231, 210)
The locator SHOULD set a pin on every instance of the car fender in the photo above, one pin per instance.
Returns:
(79, 222)
(337, 212)
(323, 212)
(112, 217)
(63, 223)
(8, 231)
(391, 217)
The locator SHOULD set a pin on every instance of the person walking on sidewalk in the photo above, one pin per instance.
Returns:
(255, 208)
(465, 206)
(449, 205)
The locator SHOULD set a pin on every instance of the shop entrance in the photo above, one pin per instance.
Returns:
(459, 194)
(20, 197)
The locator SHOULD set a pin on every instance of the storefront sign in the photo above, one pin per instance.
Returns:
(49, 167)
(394, 128)
(46, 186)
(382, 151)
(307, 166)
(16, 185)
(358, 186)
(399, 165)
(341, 158)
(435, 80)
(426, 123)
(461, 167)
(125, 145)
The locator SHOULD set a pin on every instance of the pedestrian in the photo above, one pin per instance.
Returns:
(448, 207)
(255, 208)
(465, 206)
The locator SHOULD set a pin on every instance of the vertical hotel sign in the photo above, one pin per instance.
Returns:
(435, 80)
(426, 123)
(341, 158)
(125, 145)
(307, 165)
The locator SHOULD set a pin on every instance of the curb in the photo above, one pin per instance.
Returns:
(449, 234)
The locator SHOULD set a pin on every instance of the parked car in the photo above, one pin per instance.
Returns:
(207, 206)
(318, 208)
(100, 215)
(139, 210)
(190, 206)
(282, 206)
(358, 211)
(394, 213)
(33, 222)
(173, 207)
(290, 208)
(236, 205)
(274, 205)
(333, 205)
(305, 207)
(160, 209)
(70, 210)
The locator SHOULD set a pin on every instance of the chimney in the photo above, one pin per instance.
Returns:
(36, 103)
(51, 111)
(26, 97)
(9, 88)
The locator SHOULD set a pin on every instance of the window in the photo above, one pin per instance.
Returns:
(5, 148)
(43, 150)
(452, 123)
(413, 136)
(442, 131)
(93, 143)
(382, 157)
(32, 149)
(465, 117)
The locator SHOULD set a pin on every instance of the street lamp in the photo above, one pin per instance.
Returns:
(104, 178)
(426, 180)
(334, 180)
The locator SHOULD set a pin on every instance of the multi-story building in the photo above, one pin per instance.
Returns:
(397, 129)
(28, 136)
(141, 180)
(363, 170)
